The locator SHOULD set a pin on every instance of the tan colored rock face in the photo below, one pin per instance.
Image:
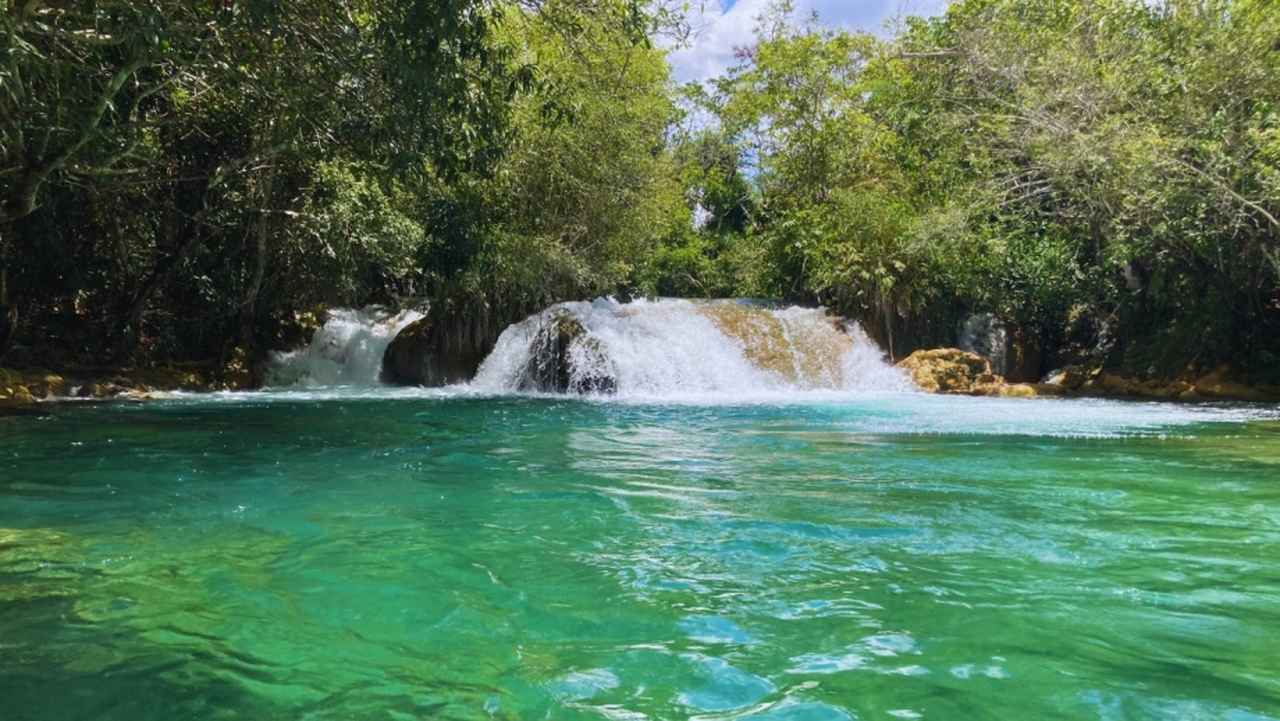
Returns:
(24, 388)
(950, 370)
(15, 397)
(806, 354)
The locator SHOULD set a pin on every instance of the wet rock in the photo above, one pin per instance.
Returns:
(804, 353)
(425, 353)
(102, 390)
(564, 358)
(16, 396)
(404, 361)
(1070, 378)
(24, 388)
(1018, 390)
(1218, 385)
(950, 370)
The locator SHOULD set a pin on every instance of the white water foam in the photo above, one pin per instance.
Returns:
(346, 351)
(672, 353)
(678, 348)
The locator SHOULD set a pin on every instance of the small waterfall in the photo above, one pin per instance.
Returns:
(674, 347)
(346, 351)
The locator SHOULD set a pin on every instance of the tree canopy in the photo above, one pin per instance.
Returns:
(180, 180)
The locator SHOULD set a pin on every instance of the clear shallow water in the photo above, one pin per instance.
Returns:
(364, 555)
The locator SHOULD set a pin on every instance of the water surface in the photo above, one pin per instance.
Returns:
(419, 556)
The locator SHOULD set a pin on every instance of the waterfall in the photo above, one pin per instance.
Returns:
(675, 347)
(642, 349)
(346, 351)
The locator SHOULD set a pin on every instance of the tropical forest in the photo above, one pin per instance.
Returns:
(776, 360)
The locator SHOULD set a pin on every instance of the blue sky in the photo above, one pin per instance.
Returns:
(722, 26)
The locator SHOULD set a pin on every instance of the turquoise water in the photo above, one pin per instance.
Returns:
(414, 556)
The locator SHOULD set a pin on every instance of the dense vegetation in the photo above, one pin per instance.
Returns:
(1104, 176)
(182, 181)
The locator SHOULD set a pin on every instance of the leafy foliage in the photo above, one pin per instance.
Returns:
(1046, 161)
(180, 178)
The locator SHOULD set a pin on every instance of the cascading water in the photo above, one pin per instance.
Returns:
(677, 347)
(658, 348)
(346, 351)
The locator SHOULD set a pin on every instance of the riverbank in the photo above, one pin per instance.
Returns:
(647, 347)
(21, 388)
(945, 371)
(957, 372)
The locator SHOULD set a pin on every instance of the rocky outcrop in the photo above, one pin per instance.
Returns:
(564, 358)
(406, 360)
(21, 388)
(948, 370)
(951, 370)
(24, 388)
(422, 354)
(1219, 384)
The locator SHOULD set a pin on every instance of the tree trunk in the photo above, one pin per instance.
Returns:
(8, 315)
(21, 201)
(248, 309)
(129, 331)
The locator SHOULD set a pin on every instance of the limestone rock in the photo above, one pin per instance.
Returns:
(1217, 385)
(102, 390)
(24, 388)
(16, 396)
(805, 354)
(950, 370)
(1069, 377)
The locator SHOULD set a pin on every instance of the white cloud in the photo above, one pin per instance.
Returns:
(719, 30)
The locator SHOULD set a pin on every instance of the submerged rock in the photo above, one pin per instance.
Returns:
(564, 358)
(102, 390)
(805, 353)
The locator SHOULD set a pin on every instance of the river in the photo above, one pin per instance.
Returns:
(361, 552)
